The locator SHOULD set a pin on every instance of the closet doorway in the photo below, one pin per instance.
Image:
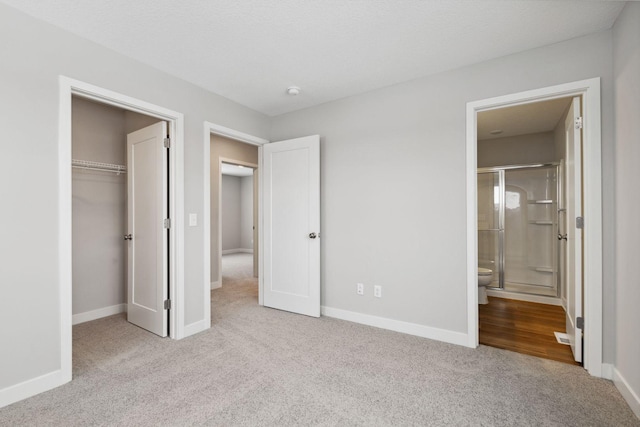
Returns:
(120, 195)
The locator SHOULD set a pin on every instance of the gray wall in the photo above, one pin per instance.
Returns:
(99, 208)
(237, 213)
(626, 44)
(34, 55)
(231, 212)
(228, 149)
(411, 239)
(516, 150)
(246, 212)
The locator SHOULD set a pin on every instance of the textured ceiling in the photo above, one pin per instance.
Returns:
(522, 119)
(250, 51)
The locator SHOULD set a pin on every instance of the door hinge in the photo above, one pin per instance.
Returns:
(167, 304)
(580, 323)
(167, 143)
(167, 223)
(578, 123)
(579, 222)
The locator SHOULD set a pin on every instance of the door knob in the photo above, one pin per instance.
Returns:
(562, 237)
(128, 237)
(312, 235)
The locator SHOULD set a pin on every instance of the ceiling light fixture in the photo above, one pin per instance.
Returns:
(496, 132)
(293, 90)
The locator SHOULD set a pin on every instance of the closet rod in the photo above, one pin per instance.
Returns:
(98, 166)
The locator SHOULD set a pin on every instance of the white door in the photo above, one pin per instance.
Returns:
(291, 215)
(573, 197)
(147, 277)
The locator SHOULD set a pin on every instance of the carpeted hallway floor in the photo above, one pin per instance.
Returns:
(258, 366)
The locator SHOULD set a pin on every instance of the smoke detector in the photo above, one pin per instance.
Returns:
(293, 90)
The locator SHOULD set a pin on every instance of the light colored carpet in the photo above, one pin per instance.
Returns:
(258, 366)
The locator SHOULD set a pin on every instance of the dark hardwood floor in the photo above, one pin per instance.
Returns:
(524, 327)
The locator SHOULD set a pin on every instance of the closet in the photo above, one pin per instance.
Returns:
(99, 207)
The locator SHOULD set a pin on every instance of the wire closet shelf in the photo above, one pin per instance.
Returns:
(98, 166)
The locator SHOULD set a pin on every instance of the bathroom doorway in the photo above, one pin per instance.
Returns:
(527, 220)
(520, 181)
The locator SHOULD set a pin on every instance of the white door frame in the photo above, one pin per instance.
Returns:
(212, 128)
(67, 88)
(592, 193)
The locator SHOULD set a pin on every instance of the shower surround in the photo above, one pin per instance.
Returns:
(518, 228)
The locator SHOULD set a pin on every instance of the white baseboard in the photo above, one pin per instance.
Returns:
(32, 387)
(237, 251)
(195, 327)
(607, 371)
(437, 334)
(216, 285)
(630, 395)
(87, 316)
(524, 297)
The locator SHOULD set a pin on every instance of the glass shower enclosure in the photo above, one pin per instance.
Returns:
(518, 228)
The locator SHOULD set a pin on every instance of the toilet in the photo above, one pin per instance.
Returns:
(485, 277)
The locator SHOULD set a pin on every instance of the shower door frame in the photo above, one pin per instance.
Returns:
(589, 90)
(501, 170)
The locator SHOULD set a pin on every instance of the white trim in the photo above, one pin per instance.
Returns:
(524, 297)
(260, 228)
(67, 88)
(607, 371)
(234, 134)
(196, 327)
(592, 172)
(33, 386)
(236, 251)
(65, 233)
(206, 225)
(451, 337)
(88, 316)
(631, 396)
(212, 128)
(472, 226)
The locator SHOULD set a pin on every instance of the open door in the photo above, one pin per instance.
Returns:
(147, 276)
(573, 197)
(291, 203)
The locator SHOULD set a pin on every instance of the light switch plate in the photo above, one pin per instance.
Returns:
(193, 220)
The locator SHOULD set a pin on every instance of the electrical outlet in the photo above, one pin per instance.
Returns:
(377, 291)
(360, 289)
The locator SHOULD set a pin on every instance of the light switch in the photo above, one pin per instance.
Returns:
(193, 220)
